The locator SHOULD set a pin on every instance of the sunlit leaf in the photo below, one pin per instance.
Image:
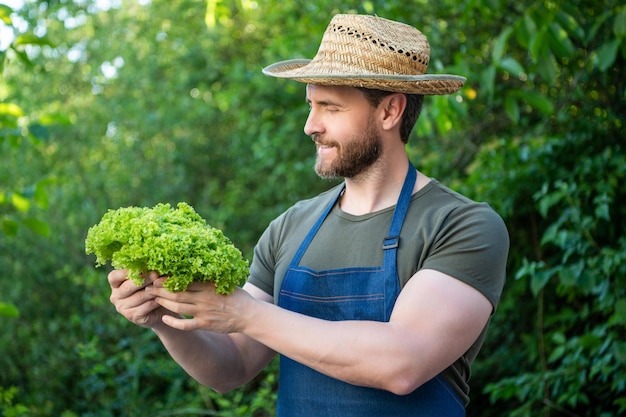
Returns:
(5, 14)
(20, 202)
(31, 39)
(8, 310)
(11, 109)
(55, 119)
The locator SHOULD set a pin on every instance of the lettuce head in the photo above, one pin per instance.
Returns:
(175, 242)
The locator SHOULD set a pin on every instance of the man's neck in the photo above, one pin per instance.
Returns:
(377, 188)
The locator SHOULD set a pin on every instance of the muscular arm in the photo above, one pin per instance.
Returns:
(435, 320)
(220, 361)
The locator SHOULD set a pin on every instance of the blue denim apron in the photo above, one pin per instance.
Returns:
(362, 293)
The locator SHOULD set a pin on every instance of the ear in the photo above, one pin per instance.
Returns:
(392, 108)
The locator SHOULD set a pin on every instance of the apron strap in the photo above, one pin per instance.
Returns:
(392, 241)
(309, 237)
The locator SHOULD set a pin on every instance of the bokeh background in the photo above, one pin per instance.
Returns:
(105, 104)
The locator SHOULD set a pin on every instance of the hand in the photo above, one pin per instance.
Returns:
(133, 302)
(207, 309)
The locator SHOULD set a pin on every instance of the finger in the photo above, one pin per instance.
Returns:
(117, 277)
(159, 280)
(150, 276)
(180, 323)
(136, 307)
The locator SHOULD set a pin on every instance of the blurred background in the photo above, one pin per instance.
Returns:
(105, 104)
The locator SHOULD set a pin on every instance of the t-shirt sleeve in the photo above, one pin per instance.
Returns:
(262, 268)
(472, 245)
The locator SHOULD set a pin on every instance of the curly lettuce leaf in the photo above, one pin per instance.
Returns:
(175, 242)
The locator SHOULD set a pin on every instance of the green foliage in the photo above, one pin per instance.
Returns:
(7, 407)
(175, 242)
(164, 101)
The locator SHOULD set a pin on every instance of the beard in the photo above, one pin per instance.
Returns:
(353, 157)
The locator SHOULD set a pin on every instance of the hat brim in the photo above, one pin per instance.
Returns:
(425, 84)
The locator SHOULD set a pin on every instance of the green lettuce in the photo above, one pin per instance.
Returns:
(175, 242)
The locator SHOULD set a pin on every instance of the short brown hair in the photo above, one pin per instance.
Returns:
(411, 112)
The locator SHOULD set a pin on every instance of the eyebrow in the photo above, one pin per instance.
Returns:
(325, 102)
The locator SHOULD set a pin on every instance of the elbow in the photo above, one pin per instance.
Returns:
(402, 386)
(222, 388)
(404, 382)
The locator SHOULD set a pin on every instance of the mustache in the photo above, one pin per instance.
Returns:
(319, 141)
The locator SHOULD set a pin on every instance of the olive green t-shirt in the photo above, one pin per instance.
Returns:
(443, 231)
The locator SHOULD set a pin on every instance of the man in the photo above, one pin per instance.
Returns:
(377, 293)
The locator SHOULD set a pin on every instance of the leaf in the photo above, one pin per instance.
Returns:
(539, 280)
(511, 66)
(500, 45)
(11, 109)
(511, 107)
(607, 54)
(39, 131)
(40, 195)
(539, 102)
(619, 24)
(547, 67)
(20, 202)
(488, 80)
(31, 39)
(38, 226)
(8, 310)
(556, 354)
(598, 23)
(560, 42)
(538, 45)
(570, 25)
(569, 275)
(526, 31)
(9, 226)
(5, 14)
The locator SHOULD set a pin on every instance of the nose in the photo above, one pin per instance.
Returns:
(312, 125)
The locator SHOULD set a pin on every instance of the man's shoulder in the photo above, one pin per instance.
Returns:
(444, 203)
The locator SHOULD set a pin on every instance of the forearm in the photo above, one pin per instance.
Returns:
(351, 351)
(434, 322)
(213, 359)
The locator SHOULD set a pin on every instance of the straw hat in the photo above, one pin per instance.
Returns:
(370, 52)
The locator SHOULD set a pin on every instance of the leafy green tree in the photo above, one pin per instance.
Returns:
(149, 102)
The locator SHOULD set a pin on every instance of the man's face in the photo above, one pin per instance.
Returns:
(341, 124)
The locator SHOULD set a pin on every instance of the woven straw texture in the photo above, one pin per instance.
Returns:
(370, 52)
